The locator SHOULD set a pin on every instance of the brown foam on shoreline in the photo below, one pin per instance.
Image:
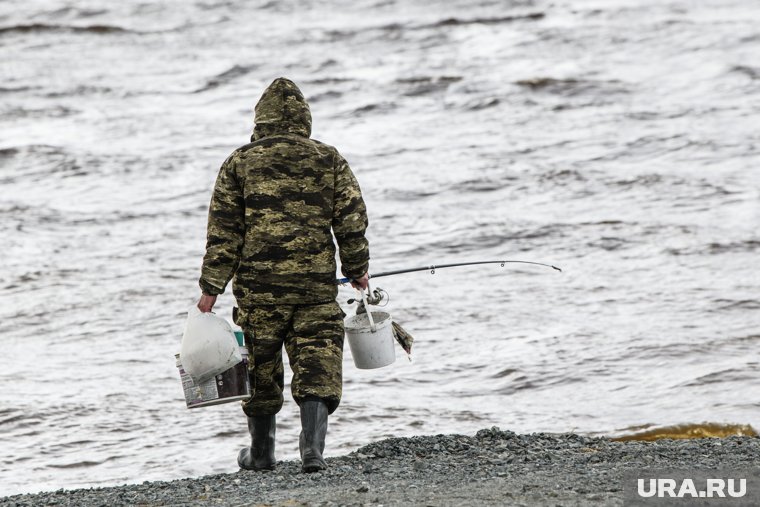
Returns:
(688, 431)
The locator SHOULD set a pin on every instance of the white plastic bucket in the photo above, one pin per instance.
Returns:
(371, 349)
(230, 385)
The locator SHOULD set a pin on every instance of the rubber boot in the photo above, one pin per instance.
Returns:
(260, 455)
(313, 432)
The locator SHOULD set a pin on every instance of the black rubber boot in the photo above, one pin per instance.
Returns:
(313, 432)
(260, 455)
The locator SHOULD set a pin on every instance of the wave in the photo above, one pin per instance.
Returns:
(751, 72)
(562, 177)
(485, 103)
(74, 12)
(719, 377)
(83, 463)
(227, 76)
(483, 184)
(51, 112)
(327, 80)
(406, 194)
(429, 79)
(8, 152)
(336, 35)
(531, 16)
(16, 89)
(44, 27)
(475, 239)
(741, 304)
(79, 91)
(381, 107)
(572, 86)
(717, 248)
(422, 85)
(534, 383)
(328, 95)
(20, 419)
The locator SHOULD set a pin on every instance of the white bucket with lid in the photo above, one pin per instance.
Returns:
(370, 338)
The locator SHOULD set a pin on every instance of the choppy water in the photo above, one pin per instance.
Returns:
(617, 139)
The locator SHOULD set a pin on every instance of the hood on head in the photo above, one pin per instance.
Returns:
(282, 109)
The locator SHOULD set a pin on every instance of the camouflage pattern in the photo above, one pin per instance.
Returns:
(313, 338)
(274, 204)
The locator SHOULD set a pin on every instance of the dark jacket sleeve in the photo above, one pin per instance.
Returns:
(350, 221)
(226, 231)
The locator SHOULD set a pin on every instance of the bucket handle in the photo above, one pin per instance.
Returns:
(372, 325)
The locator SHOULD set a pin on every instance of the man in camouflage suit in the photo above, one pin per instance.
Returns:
(274, 205)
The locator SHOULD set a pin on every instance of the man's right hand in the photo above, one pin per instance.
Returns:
(361, 282)
(206, 304)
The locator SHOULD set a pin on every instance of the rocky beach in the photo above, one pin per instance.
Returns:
(493, 467)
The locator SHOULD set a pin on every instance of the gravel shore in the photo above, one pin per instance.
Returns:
(494, 467)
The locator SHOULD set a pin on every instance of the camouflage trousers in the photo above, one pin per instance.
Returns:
(313, 339)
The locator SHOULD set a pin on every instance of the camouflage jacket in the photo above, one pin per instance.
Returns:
(274, 205)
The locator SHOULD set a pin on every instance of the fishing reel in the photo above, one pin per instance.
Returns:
(374, 297)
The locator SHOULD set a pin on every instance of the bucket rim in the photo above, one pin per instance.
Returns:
(380, 317)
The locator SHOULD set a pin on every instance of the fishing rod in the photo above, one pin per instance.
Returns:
(433, 267)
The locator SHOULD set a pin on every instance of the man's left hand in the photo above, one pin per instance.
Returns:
(206, 304)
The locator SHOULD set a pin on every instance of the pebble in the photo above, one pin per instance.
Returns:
(538, 469)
